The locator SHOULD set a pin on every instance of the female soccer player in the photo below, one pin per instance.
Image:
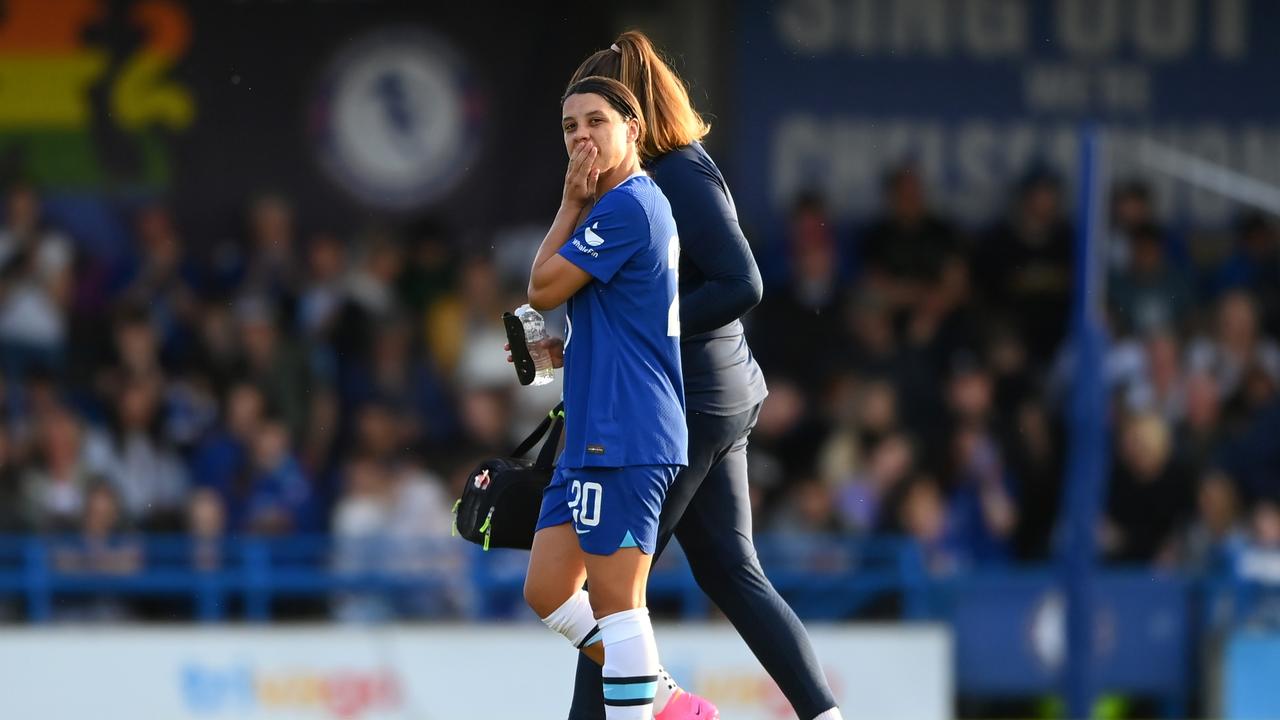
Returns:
(708, 505)
(625, 436)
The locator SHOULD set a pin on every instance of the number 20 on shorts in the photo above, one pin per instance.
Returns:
(588, 496)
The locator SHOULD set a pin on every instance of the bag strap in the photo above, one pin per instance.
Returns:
(547, 455)
(553, 421)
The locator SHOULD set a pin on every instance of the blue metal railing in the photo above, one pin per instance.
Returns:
(822, 577)
(1006, 623)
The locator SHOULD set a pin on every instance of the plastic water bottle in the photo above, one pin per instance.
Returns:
(535, 331)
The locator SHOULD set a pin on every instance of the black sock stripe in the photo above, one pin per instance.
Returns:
(628, 703)
(635, 680)
(588, 636)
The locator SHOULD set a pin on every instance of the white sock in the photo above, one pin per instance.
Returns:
(832, 714)
(575, 621)
(630, 671)
(666, 689)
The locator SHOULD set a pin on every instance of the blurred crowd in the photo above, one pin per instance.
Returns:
(273, 384)
(921, 379)
(293, 380)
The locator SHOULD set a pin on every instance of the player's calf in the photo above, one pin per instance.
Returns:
(630, 670)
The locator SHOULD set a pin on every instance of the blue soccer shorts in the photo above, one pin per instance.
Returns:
(609, 508)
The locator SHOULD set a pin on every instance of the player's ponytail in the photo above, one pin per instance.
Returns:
(670, 120)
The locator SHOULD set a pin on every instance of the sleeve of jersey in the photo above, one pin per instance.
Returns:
(711, 239)
(616, 229)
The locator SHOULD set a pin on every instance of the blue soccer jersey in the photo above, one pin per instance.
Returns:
(623, 392)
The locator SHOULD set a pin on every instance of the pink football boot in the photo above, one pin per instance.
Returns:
(687, 706)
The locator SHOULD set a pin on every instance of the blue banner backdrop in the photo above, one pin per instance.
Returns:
(1010, 634)
(831, 93)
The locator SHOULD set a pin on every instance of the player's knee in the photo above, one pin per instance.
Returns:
(542, 599)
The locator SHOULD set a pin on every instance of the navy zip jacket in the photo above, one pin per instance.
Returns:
(719, 283)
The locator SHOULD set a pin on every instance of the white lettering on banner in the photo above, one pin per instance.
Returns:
(1056, 88)
(808, 25)
(1164, 29)
(969, 167)
(398, 672)
(1156, 30)
(920, 25)
(995, 28)
(864, 35)
(1230, 28)
(796, 149)
(1090, 28)
(1068, 87)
